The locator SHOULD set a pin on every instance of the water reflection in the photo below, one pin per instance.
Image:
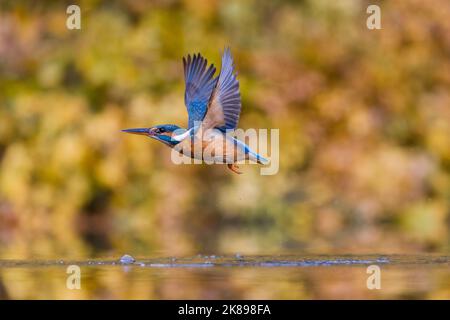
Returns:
(286, 277)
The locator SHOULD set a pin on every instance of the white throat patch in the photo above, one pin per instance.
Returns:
(182, 136)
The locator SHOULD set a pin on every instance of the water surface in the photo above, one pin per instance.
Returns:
(230, 277)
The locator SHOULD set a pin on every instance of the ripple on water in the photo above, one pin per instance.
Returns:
(237, 260)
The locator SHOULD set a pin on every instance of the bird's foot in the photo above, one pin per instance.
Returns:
(234, 168)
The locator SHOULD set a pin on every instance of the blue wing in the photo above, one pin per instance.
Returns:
(224, 107)
(200, 83)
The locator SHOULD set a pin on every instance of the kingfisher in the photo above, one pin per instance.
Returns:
(213, 105)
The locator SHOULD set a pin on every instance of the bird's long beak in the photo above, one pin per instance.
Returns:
(141, 131)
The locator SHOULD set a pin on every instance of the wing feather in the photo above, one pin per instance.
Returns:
(224, 106)
(200, 83)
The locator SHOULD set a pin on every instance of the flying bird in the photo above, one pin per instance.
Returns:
(214, 106)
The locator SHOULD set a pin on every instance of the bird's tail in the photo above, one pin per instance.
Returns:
(253, 156)
(262, 160)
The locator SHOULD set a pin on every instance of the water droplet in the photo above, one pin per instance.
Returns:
(127, 259)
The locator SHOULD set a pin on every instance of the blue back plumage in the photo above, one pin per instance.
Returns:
(200, 83)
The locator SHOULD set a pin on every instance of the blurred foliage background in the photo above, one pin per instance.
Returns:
(364, 119)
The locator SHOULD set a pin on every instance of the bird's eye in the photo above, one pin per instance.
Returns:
(161, 130)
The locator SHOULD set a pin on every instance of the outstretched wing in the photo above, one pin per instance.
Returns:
(225, 104)
(200, 83)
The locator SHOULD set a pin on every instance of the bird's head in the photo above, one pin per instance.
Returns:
(168, 134)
